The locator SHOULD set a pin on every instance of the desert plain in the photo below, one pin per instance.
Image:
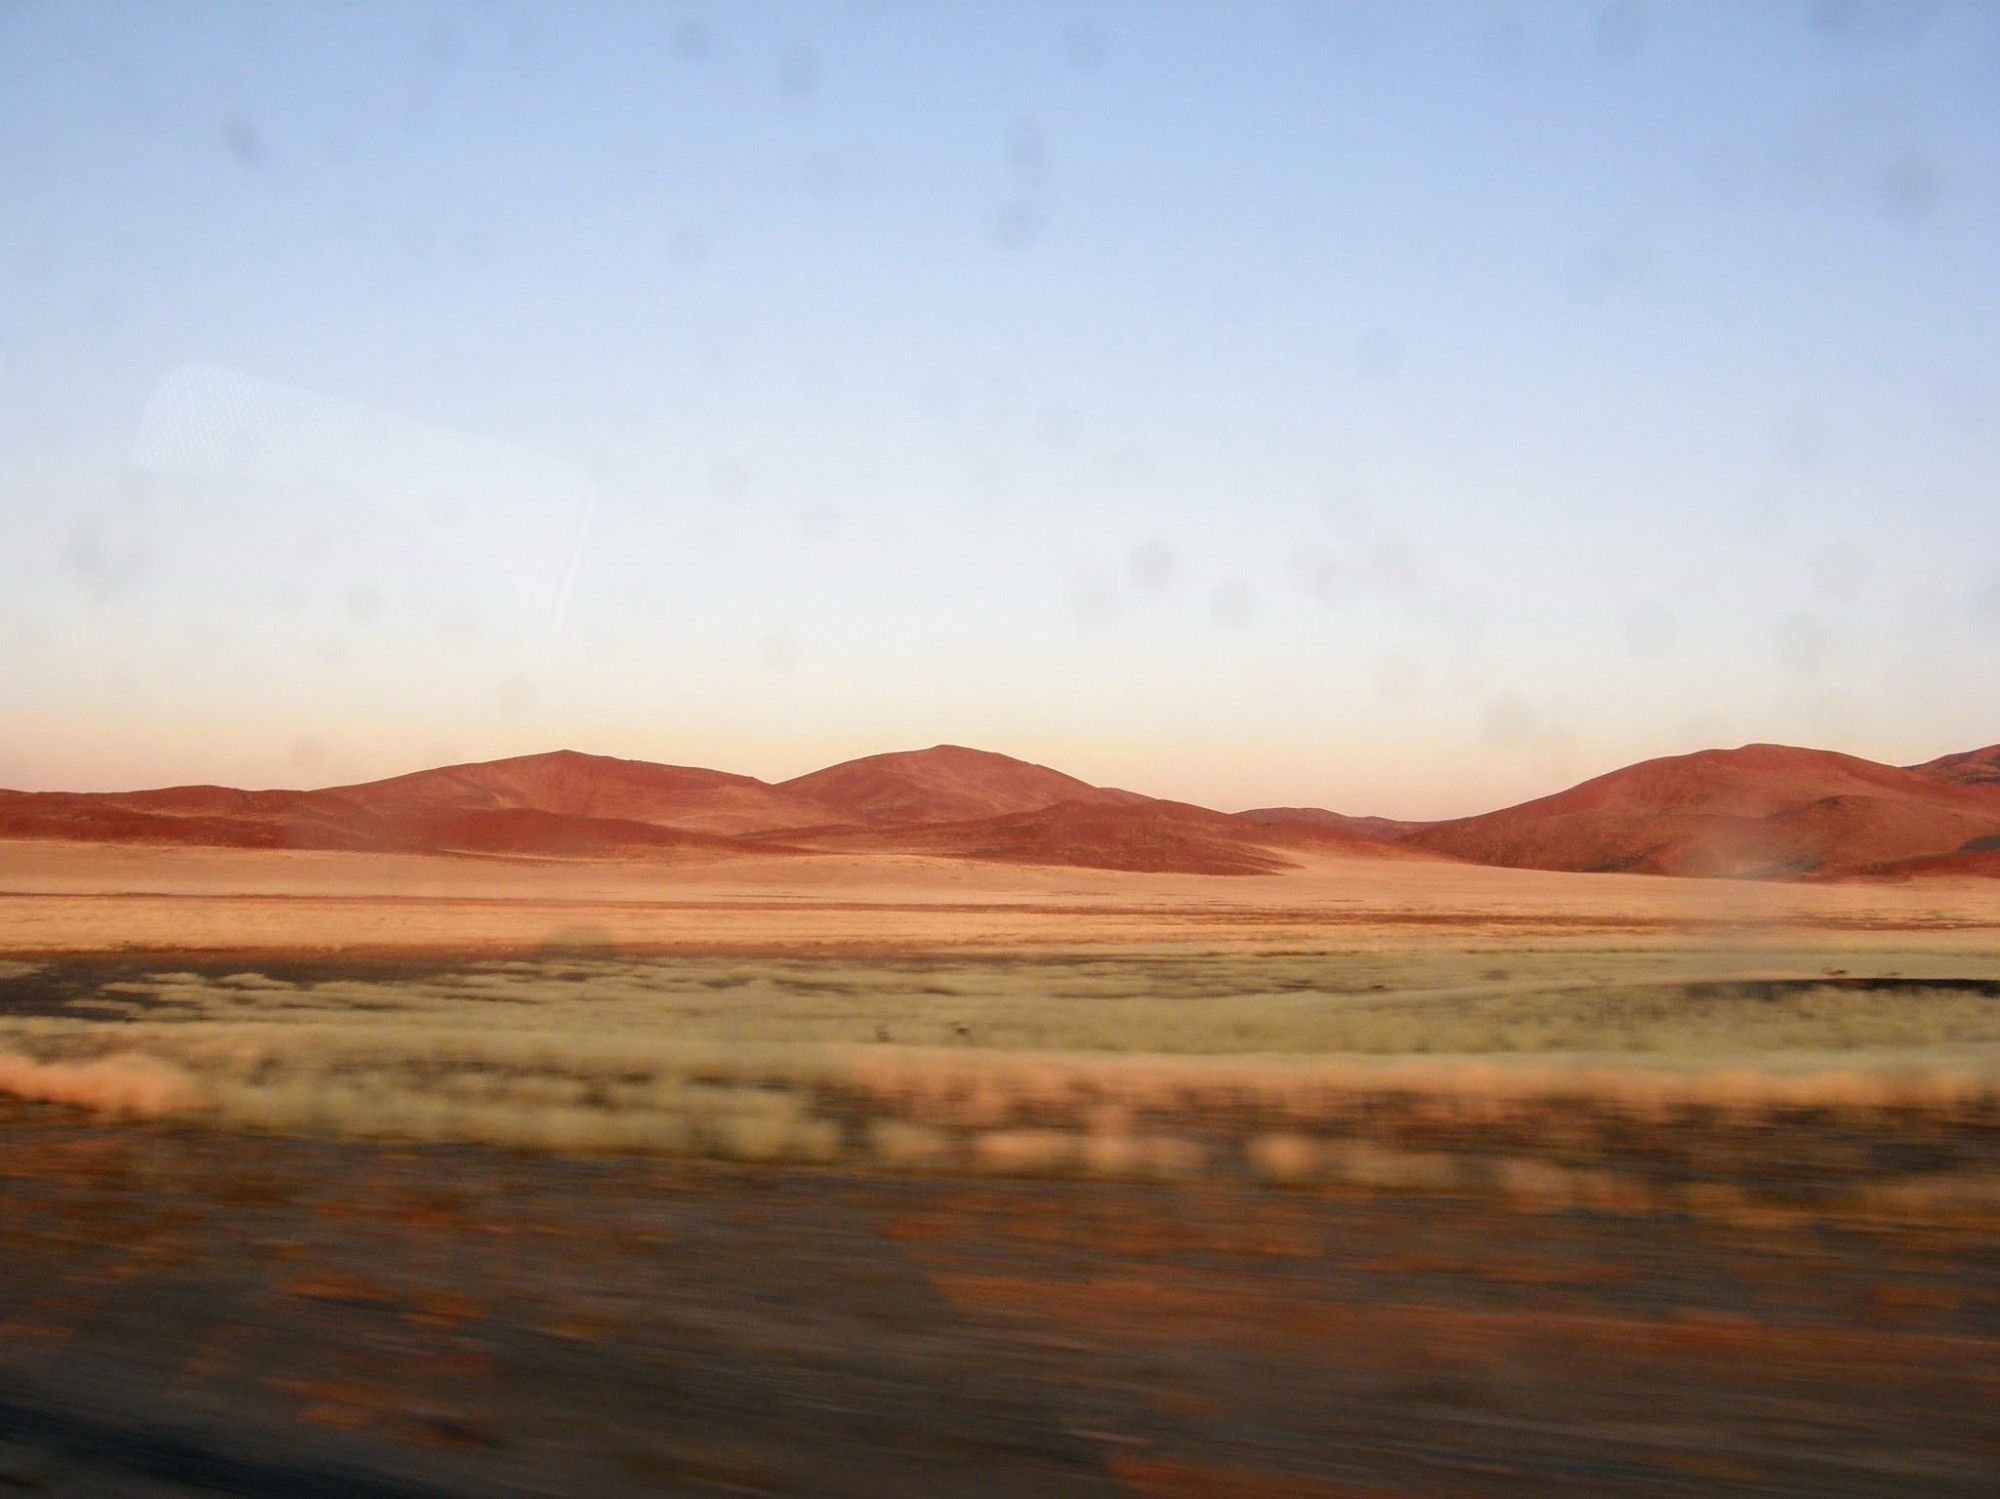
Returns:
(867, 1172)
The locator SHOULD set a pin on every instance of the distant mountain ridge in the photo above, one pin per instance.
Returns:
(947, 801)
(1759, 811)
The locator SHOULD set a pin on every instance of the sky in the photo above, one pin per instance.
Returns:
(1403, 409)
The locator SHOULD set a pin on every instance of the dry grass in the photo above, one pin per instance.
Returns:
(119, 1084)
(1279, 1067)
(1667, 1002)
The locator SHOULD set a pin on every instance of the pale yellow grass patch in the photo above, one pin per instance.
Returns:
(120, 1083)
(1142, 1067)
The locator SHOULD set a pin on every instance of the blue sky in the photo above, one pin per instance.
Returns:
(1399, 408)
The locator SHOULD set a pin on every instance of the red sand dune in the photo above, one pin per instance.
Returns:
(1150, 836)
(1980, 767)
(580, 785)
(571, 804)
(529, 830)
(215, 816)
(327, 820)
(946, 783)
(1760, 810)
(1763, 810)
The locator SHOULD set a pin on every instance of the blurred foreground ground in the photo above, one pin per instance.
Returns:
(191, 1310)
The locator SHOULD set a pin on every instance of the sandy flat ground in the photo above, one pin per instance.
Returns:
(70, 898)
